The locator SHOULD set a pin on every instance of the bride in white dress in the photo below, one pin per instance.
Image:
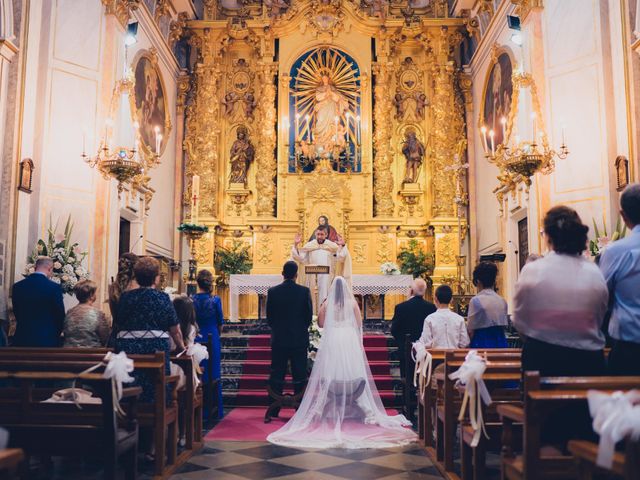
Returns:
(341, 407)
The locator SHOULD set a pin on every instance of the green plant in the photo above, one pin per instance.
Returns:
(192, 227)
(415, 261)
(233, 260)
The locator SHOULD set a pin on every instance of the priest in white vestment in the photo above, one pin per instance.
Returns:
(322, 251)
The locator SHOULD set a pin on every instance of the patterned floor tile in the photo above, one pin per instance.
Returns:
(220, 460)
(261, 470)
(401, 461)
(360, 471)
(191, 467)
(308, 475)
(356, 455)
(312, 461)
(268, 451)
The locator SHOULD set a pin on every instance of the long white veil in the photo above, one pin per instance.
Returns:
(341, 407)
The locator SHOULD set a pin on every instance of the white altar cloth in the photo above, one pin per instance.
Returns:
(362, 285)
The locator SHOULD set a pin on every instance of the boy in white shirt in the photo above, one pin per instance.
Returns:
(444, 328)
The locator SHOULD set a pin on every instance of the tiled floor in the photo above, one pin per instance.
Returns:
(259, 460)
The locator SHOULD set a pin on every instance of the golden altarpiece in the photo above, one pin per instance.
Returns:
(354, 111)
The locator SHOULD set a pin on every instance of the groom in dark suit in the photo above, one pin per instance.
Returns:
(289, 313)
(38, 307)
(408, 318)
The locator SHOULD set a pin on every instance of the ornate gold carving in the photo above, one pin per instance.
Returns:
(411, 195)
(202, 130)
(446, 249)
(204, 250)
(265, 160)
(524, 7)
(264, 250)
(384, 251)
(163, 9)
(177, 28)
(382, 176)
(184, 85)
(326, 17)
(359, 252)
(122, 9)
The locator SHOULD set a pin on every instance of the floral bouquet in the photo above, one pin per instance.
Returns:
(67, 261)
(315, 333)
(390, 268)
(602, 240)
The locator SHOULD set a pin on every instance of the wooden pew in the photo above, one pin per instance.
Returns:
(161, 415)
(10, 460)
(625, 464)
(64, 429)
(502, 367)
(543, 395)
(190, 399)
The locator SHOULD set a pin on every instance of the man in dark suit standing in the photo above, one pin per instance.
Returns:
(38, 307)
(289, 313)
(408, 318)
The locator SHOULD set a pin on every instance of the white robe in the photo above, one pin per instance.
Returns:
(310, 254)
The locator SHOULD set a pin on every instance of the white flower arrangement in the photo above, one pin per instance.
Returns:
(390, 268)
(67, 261)
(315, 334)
(171, 291)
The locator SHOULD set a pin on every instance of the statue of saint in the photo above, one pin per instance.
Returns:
(241, 156)
(330, 104)
(413, 151)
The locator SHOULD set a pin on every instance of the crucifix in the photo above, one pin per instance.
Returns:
(195, 191)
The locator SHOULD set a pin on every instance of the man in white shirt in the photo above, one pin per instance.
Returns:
(444, 328)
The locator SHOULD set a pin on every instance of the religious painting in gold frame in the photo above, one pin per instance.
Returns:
(150, 104)
(497, 93)
(622, 172)
(26, 175)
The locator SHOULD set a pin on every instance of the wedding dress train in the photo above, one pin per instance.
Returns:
(341, 407)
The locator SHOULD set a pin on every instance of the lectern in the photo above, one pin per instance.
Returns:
(316, 270)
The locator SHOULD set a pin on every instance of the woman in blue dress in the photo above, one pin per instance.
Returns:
(209, 316)
(487, 317)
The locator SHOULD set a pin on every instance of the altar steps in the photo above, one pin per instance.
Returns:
(246, 361)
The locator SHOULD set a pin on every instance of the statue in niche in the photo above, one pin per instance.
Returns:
(421, 104)
(330, 104)
(229, 103)
(413, 151)
(241, 157)
(250, 104)
(398, 102)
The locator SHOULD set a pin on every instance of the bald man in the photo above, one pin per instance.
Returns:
(408, 318)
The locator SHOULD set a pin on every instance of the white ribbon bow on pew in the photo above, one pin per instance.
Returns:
(469, 375)
(117, 367)
(423, 361)
(615, 417)
(198, 353)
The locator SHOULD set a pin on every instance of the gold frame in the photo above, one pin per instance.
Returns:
(152, 56)
(496, 52)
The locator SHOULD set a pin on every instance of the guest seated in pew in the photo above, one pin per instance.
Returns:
(408, 319)
(560, 302)
(85, 325)
(146, 321)
(487, 318)
(38, 307)
(620, 265)
(444, 328)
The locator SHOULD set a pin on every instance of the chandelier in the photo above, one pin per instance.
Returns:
(120, 162)
(521, 159)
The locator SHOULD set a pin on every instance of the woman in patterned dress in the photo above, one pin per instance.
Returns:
(86, 325)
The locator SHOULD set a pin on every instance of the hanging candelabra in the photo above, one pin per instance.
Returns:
(519, 158)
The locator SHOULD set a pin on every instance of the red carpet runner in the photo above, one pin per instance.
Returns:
(255, 370)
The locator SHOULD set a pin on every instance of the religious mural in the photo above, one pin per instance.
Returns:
(497, 96)
(150, 104)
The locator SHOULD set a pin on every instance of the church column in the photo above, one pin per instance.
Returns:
(265, 154)
(202, 128)
(382, 114)
(184, 84)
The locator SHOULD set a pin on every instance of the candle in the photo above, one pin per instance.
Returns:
(358, 129)
(563, 127)
(503, 121)
(483, 130)
(308, 119)
(492, 134)
(158, 140)
(195, 185)
(84, 142)
(297, 125)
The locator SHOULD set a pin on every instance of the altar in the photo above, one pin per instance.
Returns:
(362, 285)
